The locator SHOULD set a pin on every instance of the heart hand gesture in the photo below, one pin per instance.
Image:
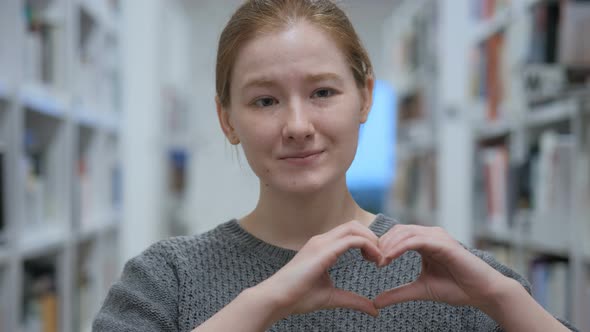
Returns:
(450, 273)
(304, 285)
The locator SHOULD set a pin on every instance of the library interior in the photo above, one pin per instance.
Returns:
(110, 141)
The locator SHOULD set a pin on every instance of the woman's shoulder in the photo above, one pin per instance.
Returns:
(187, 247)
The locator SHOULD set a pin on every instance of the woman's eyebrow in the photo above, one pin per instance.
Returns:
(323, 77)
(268, 81)
(259, 82)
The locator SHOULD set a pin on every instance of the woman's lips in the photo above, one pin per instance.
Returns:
(303, 159)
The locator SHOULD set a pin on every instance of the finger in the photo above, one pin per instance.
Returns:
(370, 249)
(425, 245)
(345, 299)
(393, 240)
(399, 232)
(352, 228)
(412, 291)
(403, 234)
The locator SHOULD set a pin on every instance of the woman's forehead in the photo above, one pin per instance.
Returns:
(303, 51)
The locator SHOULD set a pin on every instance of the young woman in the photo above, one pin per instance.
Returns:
(293, 86)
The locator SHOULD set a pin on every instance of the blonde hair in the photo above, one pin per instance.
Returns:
(262, 16)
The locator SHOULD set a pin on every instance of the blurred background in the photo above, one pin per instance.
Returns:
(109, 139)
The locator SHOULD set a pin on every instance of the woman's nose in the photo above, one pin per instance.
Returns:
(298, 126)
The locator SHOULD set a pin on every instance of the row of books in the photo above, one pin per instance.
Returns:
(98, 190)
(482, 10)
(414, 192)
(86, 303)
(40, 201)
(40, 301)
(542, 184)
(41, 295)
(549, 277)
(97, 52)
(44, 42)
(418, 46)
(97, 78)
(491, 75)
(554, 39)
(550, 282)
(3, 216)
(556, 30)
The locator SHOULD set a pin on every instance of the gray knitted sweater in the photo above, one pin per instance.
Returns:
(179, 283)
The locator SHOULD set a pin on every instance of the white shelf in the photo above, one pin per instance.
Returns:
(36, 240)
(54, 121)
(87, 118)
(4, 256)
(99, 226)
(501, 19)
(488, 28)
(4, 90)
(111, 122)
(493, 130)
(551, 113)
(39, 99)
(411, 149)
(100, 12)
(510, 238)
(521, 119)
(485, 129)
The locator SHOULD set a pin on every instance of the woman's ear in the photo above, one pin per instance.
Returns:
(225, 123)
(367, 98)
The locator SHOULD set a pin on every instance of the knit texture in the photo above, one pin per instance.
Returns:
(179, 283)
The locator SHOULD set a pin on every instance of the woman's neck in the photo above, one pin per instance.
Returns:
(289, 221)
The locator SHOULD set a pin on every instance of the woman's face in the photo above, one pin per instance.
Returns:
(296, 109)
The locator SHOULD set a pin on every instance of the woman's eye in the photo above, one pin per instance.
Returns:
(323, 93)
(265, 102)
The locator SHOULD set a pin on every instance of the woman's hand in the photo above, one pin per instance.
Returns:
(304, 285)
(450, 273)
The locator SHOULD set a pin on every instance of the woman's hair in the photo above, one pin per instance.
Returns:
(255, 17)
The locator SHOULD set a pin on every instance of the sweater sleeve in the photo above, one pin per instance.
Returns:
(484, 322)
(144, 299)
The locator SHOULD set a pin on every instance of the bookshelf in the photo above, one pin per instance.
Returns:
(510, 115)
(59, 159)
(413, 68)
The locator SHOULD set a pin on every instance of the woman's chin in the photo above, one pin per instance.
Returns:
(299, 186)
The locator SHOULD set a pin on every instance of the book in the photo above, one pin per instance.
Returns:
(86, 301)
(490, 76)
(44, 43)
(575, 23)
(33, 164)
(544, 32)
(549, 281)
(414, 195)
(116, 192)
(3, 216)
(551, 184)
(40, 296)
(482, 10)
(493, 165)
(85, 194)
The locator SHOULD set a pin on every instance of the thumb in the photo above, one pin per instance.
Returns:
(345, 299)
(409, 292)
